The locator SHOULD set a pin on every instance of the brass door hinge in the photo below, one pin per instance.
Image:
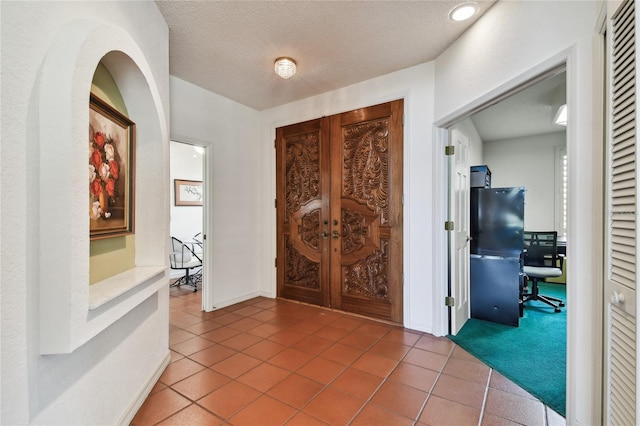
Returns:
(449, 150)
(449, 301)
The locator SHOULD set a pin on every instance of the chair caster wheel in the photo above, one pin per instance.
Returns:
(557, 310)
(562, 305)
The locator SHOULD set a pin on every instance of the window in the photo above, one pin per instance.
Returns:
(561, 182)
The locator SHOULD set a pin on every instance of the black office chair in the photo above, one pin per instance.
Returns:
(197, 245)
(198, 238)
(541, 261)
(183, 257)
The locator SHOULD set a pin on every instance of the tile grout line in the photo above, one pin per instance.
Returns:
(183, 310)
(325, 386)
(385, 379)
(203, 396)
(440, 373)
(484, 400)
(298, 410)
(328, 384)
(261, 393)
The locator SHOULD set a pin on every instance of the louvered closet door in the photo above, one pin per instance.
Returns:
(621, 231)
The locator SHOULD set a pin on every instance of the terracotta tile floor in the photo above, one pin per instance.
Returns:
(277, 362)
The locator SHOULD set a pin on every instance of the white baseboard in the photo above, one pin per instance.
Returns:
(135, 405)
(266, 294)
(228, 302)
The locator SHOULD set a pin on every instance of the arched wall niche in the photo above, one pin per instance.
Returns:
(110, 256)
(71, 311)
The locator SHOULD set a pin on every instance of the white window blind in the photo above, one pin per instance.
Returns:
(561, 183)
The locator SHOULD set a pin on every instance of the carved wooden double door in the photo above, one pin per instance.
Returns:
(339, 211)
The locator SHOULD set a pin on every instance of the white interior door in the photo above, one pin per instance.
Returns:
(207, 226)
(621, 231)
(459, 210)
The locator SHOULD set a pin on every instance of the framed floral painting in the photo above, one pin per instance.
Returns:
(187, 192)
(111, 171)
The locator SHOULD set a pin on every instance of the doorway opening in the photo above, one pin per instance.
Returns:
(187, 216)
(518, 140)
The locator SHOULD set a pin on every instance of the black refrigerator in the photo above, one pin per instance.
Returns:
(497, 227)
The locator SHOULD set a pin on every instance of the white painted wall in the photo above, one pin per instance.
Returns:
(101, 381)
(528, 162)
(186, 164)
(415, 85)
(499, 51)
(95, 384)
(229, 131)
(243, 188)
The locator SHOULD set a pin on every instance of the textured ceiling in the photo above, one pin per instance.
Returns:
(228, 47)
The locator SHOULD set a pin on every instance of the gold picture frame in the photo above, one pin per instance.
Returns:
(187, 192)
(111, 171)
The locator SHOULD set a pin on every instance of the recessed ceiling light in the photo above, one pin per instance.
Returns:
(463, 12)
(285, 67)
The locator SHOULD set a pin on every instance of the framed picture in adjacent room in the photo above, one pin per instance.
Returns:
(187, 192)
(111, 171)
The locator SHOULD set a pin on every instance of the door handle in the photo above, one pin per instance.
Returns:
(325, 235)
(616, 298)
(336, 235)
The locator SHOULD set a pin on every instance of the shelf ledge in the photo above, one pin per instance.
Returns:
(104, 291)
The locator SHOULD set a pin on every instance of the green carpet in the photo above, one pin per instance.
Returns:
(532, 355)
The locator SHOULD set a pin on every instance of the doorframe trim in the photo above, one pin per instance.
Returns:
(442, 139)
(207, 218)
(569, 60)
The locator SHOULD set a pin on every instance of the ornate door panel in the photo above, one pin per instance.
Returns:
(302, 188)
(340, 211)
(366, 197)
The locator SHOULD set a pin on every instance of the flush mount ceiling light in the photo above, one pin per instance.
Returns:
(285, 67)
(463, 12)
